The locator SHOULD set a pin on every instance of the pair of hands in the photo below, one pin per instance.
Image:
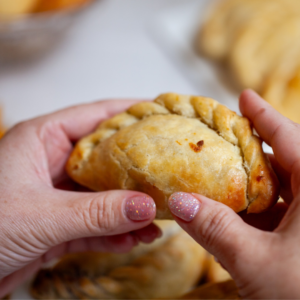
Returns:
(43, 215)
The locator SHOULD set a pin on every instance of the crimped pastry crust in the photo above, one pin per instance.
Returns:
(178, 143)
(167, 268)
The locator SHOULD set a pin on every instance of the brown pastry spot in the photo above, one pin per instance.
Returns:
(178, 143)
(76, 167)
(198, 147)
(200, 143)
(186, 139)
(259, 178)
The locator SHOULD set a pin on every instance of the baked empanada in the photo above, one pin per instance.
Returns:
(167, 268)
(259, 42)
(178, 143)
(219, 290)
(16, 7)
(282, 89)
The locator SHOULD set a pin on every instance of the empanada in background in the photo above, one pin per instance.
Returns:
(178, 143)
(220, 290)
(9, 8)
(167, 268)
(259, 43)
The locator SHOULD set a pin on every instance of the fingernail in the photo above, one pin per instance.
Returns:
(184, 206)
(140, 208)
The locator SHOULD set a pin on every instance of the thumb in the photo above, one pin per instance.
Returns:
(215, 227)
(75, 215)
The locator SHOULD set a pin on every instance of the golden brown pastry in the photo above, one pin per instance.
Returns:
(220, 290)
(215, 272)
(224, 23)
(167, 268)
(12, 8)
(259, 42)
(46, 5)
(178, 143)
(282, 90)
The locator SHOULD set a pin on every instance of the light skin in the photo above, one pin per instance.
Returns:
(45, 215)
(261, 252)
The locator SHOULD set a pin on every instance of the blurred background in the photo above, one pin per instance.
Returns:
(98, 50)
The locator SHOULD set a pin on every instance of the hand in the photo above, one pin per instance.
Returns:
(39, 221)
(264, 264)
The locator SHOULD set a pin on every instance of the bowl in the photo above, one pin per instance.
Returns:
(28, 35)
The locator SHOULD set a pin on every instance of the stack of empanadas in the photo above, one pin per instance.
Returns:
(259, 41)
(167, 268)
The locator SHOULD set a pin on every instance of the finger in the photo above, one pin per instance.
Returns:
(267, 221)
(148, 234)
(217, 228)
(284, 178)
(279, 132)
(78, 215)
(57, 129)
(121, 243)
(80, 120)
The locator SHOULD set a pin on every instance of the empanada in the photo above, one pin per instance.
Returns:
(253, 70)
(259, 42)
(13, 8)
(167, 268)
(178, 143)
(223, 24)
(282, 90)
(219, 290)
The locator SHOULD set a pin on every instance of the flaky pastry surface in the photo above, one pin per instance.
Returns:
(178, 143)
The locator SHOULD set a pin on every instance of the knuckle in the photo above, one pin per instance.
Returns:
(294, 125)
(21, 126)
(259, 114)
(23, 129)
(99, 215)
(214, 227)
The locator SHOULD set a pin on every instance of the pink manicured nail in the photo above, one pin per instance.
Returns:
(140, 208)
(184, 206)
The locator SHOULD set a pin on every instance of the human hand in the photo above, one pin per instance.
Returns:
(264, 261)
(38, 221)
